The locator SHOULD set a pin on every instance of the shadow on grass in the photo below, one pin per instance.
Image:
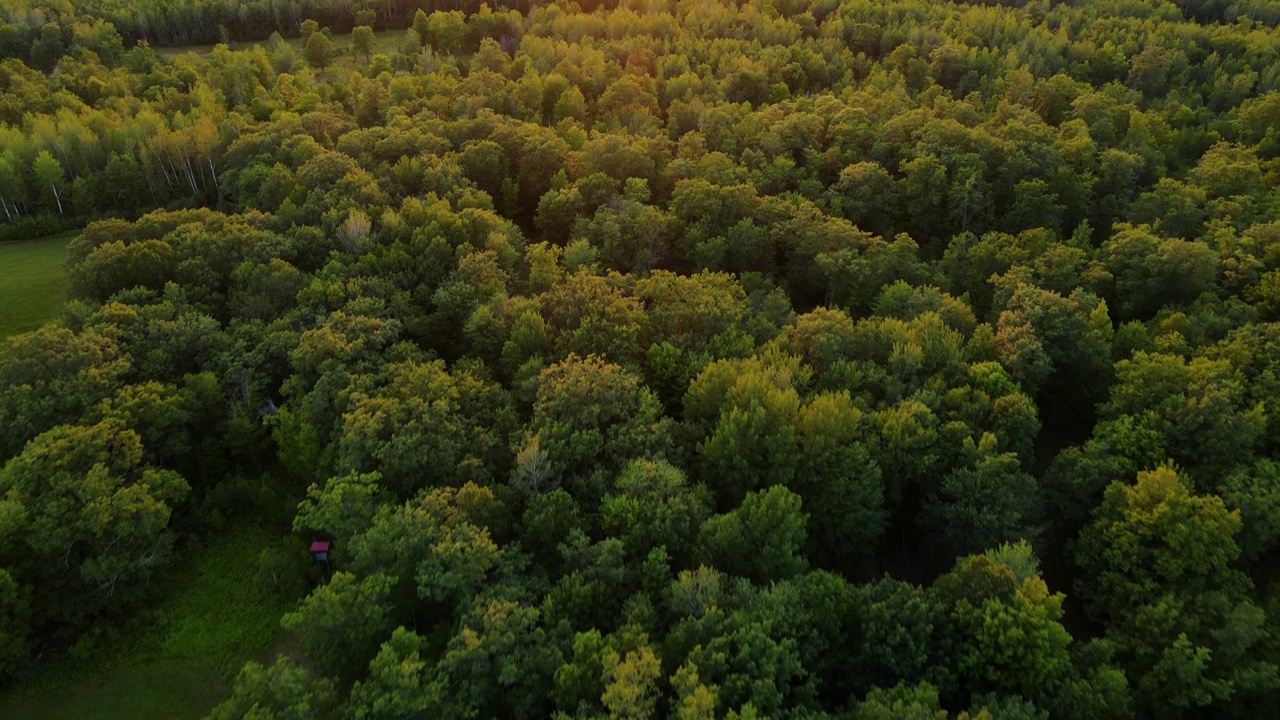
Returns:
(177, 660)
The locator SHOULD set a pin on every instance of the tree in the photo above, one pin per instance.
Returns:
(1151, 272)
(458, 424)
(343, 622)
(48, 174)
(631, 683)
(1058, 348)
(746, 412)
(15, 617)
(757, 672)
(400, 682)
(1135, 528)
(308, 28)
(421, 27)
(445, 31)
(762, 540)
(839, 482)
(652, 505)
(86, 519)
(51, 377)
(1006, 629)
(501, 662)
(901, 702)
(13, 192)
(318, 51)
(899, 631)
(361, 40)
(281, 691)
(1158, 569)
(982, 506)
(436, 548)
(1196, 410)
(49, 48)
(346, 505)
(591, 417)
(1252, 491)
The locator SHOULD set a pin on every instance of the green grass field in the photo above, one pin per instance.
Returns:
(33, 282)
(178, 660)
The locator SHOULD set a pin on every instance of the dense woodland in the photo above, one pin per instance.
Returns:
(830, 358)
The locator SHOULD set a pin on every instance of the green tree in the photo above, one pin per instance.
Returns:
(762, 540)
(400, 682)
(982, 506)
(51, 377)
(901, 702)
(308, 28)
(591, 417)
(445, 31)
(839, 482)
(50, 176)
(631, 683)
(458, 422)
(435, 548)
(1196, 410)
(652, 505)
(362, 41)
(1006, 629)
(421, 26)
(501, 662)
(281, 691)
(1157, 567)
(346, 505)
(15, 618)
(343, 622)
(1135, 528)
(86, 520)
(318, 51)
(746, 411)
(900, 636)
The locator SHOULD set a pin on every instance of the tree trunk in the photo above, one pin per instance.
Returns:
(191, 176)
(151, 185)
(56, 196)
(214, 172)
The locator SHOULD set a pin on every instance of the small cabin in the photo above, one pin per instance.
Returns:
(320, 549)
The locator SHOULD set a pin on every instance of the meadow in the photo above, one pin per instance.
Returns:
(33, 282)
(176, 659)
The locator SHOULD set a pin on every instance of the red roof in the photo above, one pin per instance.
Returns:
(320, 546)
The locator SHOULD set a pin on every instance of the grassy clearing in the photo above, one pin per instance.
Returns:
(176, 661)
(33, 282)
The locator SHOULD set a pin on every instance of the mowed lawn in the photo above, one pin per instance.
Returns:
(33, 282)
(176, 661)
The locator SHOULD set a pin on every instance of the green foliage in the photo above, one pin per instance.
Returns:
(762, 540)
(590, 417)
(918, 702)
(318, 51)
(1007, 632)
(343, 622)
(590, 330)
(80, 498)
(1179, 608)
(282, 691)
(177, 657)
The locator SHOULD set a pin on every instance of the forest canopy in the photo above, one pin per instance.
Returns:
(783, 358)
